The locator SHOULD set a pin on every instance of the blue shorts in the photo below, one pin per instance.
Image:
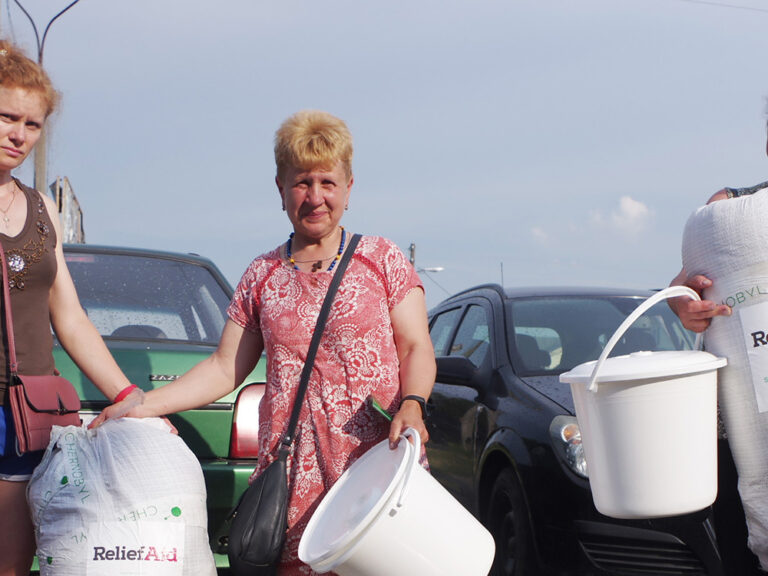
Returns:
(13, 466)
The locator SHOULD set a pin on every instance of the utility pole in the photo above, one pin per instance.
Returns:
(41, 150)
(69, 211)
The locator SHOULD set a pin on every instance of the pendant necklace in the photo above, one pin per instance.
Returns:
(317, 264)
(6, 218)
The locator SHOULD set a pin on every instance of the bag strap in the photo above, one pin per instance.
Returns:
(8, 316)
(315, 343)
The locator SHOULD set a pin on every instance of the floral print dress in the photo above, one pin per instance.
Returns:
(356, 358)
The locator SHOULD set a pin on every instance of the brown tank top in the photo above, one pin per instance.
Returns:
(31, 259)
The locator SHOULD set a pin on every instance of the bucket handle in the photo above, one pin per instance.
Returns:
(669, 292)
(413, 461)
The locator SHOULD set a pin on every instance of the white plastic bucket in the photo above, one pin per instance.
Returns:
(387, 515)
(648, 425)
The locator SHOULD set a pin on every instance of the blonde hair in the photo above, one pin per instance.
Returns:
(18, 71)
(311, 139)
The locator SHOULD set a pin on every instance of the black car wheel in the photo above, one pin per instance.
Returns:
(507, 521)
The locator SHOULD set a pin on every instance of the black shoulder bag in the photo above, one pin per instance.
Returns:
(260, 519)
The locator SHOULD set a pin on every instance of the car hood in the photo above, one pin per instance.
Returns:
(552, 388)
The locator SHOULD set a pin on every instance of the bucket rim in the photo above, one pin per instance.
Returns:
(344, 545)
(583, 373)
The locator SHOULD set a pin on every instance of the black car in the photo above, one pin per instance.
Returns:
(505, 442)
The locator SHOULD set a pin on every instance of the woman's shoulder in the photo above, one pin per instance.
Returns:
(387, 262)
(261, 266)
(268, 257)
(38, 199)
(382, 253)
(47, 200)
(36, 195)
(377, 244)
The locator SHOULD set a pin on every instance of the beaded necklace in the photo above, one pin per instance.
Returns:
(319, 263)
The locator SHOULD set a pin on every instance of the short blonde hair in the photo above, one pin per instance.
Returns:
(18, 71)
(311, 139)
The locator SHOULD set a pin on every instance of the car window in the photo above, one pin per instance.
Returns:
(149, 298)
(555, 334)
(472, 340)
(441, 330)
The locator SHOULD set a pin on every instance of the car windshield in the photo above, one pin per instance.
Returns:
(552, 335)
(149, 298)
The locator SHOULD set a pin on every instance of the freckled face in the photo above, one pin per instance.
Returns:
(315, 199)
(22, 115)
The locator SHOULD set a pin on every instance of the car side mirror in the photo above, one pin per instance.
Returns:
(456, 370)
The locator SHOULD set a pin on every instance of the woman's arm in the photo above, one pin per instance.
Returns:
(235, 357)
(417, 362)
(74, 330)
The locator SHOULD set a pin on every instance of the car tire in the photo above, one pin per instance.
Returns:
(507, 520)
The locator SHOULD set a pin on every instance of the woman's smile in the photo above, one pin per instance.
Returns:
(315, 199)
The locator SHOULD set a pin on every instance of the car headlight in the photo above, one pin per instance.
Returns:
(566, 441)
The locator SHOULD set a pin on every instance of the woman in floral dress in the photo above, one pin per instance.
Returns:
(376, 341)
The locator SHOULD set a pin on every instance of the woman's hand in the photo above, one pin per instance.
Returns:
(409, 416)
(696, 315)
(128, 406)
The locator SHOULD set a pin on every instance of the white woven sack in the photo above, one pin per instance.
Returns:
(727, 241)
(127, 498)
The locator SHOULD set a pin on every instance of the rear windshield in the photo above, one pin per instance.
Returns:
(147, 298)
(555, 334)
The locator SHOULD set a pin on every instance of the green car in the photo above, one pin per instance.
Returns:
(161, 313)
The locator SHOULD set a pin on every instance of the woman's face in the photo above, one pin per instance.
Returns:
(22, 115)
(315, 199)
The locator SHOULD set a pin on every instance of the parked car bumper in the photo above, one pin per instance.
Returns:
(678, 545)
(225, 480)
(571, 532)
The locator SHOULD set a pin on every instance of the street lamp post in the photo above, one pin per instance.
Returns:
(40, 150)
(428, 270)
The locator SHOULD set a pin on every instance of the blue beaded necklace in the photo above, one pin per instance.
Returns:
(317, 265)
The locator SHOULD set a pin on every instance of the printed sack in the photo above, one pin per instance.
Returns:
(727, 241)
(127, 498)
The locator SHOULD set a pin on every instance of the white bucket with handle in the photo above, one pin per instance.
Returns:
(387, 515)
(649, 425)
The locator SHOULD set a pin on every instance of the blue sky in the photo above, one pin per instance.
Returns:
(548, 141)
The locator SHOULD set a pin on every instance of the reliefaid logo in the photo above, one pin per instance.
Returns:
(124, 548)
(142, 554)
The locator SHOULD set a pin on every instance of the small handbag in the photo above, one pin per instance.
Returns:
(37, 402)
(260, 519)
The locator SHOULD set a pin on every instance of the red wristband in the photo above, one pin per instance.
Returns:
(124, 392)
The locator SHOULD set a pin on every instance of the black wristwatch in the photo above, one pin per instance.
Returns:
(422, 404)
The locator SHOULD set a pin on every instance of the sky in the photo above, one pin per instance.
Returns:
(523, 142)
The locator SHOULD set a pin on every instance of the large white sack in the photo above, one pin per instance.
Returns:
(127, 498)
(727, 241)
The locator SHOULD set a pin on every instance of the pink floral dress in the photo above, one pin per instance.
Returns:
(356, 358)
